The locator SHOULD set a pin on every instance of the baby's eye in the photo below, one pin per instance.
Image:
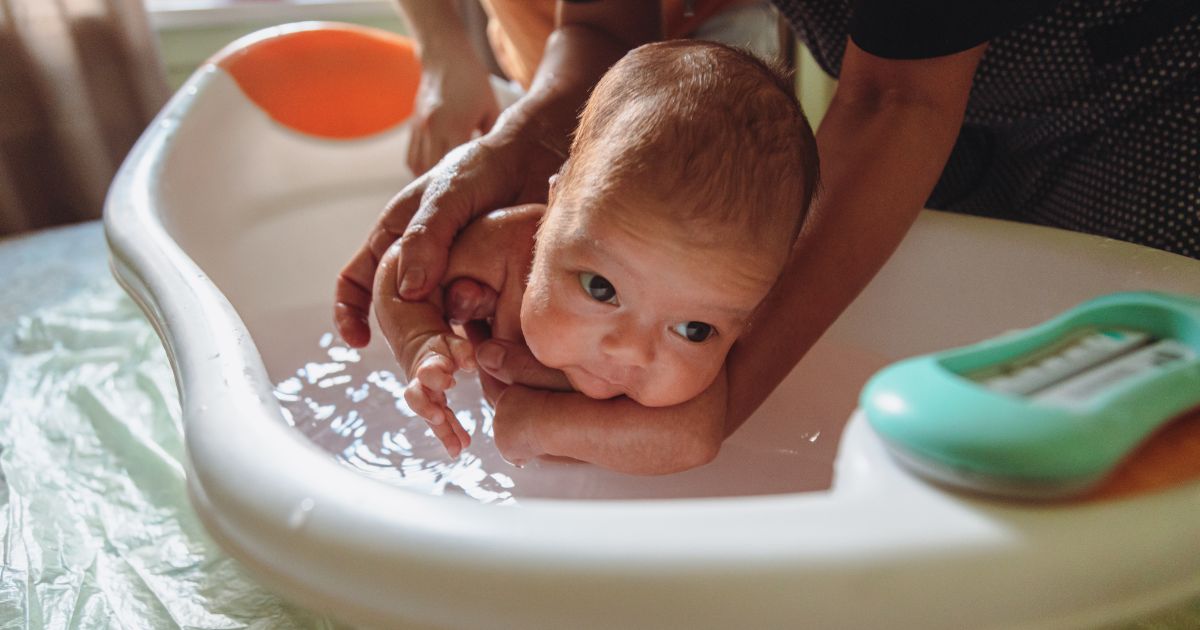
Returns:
(598, 287)
(694, 331)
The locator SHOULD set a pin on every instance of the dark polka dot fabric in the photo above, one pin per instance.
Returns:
(1085, 117)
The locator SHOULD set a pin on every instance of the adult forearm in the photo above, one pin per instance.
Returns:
(880, 159)
(437, 27)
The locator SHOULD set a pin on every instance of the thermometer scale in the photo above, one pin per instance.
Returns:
(1048, 411)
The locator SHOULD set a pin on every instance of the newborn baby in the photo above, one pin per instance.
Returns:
(687, 181)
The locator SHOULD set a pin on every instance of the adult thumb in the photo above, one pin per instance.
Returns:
(512, 363)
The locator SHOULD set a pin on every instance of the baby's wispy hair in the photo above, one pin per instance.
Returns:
(710, 132)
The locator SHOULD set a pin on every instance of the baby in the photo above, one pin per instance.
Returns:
(687, 181)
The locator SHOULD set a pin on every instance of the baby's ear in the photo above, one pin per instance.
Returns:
(553, 186)
(554, 182)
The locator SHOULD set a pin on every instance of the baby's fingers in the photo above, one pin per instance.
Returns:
(431, 406)
(425, 403)
(460, 432)
(450, 432)
(435, 372)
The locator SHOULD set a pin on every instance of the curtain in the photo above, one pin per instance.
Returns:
(79, 81)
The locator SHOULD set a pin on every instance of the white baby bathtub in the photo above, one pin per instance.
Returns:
(228, 225)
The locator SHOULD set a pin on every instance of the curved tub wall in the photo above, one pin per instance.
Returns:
(215, 193)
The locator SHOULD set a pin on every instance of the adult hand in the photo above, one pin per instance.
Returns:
(509, 165)
(454, 101)
(504, 167)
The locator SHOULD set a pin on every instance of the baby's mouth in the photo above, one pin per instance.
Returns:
(607, 376)
(592, 381)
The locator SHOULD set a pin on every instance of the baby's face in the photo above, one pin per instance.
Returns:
(622, 304)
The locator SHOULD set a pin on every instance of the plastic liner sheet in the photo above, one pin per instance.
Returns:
(95, 526)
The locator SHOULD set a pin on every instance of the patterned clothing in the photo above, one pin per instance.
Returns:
(1084, 114)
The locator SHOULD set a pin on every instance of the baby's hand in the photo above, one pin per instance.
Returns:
(432, 373)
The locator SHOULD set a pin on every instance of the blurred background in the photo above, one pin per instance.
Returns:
(81, 79)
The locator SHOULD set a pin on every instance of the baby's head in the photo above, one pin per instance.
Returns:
(688, 179)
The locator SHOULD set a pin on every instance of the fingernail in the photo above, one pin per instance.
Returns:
(413, 279)
(490, 356)
(435, 418)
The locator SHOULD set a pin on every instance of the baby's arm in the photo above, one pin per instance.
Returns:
(627, 437)
(494, 252)
(428, 351)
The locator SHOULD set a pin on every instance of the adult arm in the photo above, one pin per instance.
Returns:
(509, 165)
(883, 144)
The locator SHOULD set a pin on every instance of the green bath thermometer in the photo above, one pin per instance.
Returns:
(1048, 411)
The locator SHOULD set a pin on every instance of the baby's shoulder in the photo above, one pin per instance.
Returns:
(496, 246)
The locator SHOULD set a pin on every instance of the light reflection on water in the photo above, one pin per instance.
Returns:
(349, 403)
(360, 415)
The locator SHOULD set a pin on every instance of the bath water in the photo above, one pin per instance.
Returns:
(350, 403)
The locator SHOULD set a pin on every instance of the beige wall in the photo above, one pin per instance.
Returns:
(186, 41)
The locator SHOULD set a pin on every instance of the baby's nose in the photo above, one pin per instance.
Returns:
(629, 345)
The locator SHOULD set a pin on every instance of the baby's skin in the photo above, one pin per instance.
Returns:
(687, 181)
(623, 303)
(494, 251)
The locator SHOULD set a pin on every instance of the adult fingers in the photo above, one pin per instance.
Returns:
(385, 307)
(512, 363)
(445, 133)
(352, 301)
(490, 114)
(439, 135)
(353, 293)
(465, 183)
(492, 387)
(416, 160)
